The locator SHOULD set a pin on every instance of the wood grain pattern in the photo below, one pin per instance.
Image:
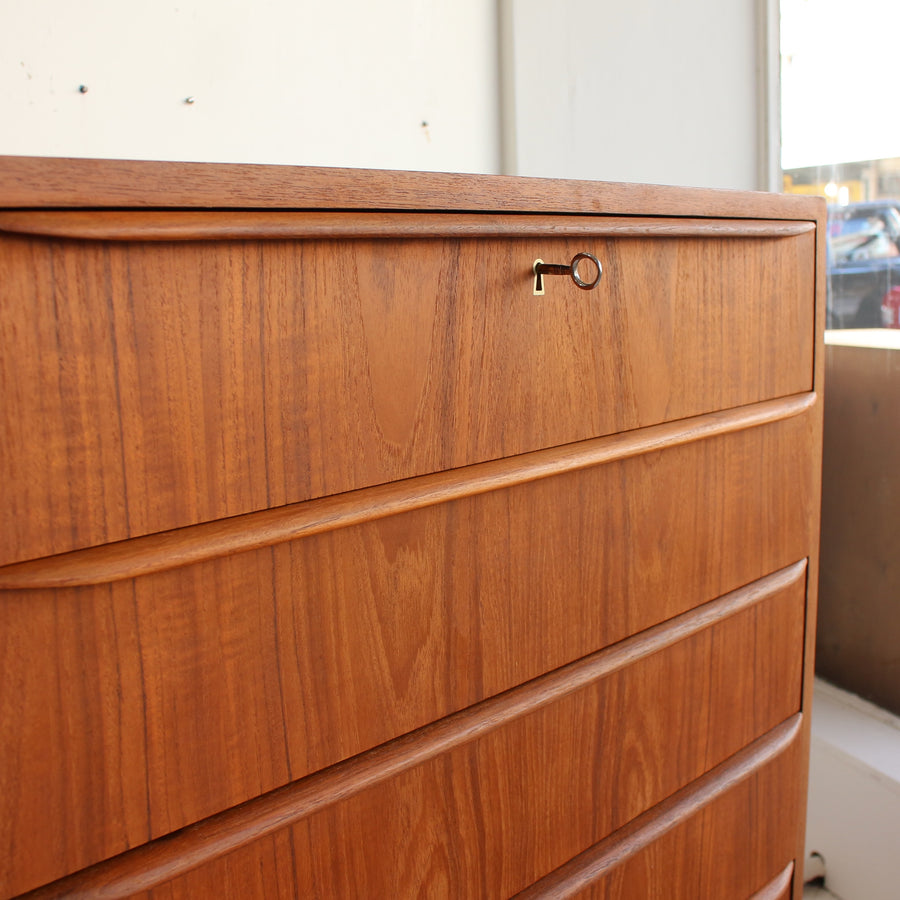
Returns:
(182, 225)
(335, 563)
(30, 182)
(200, 543)
(481, 804)
(269, 665)
(711, 839)
(155, 386)
(779, 888)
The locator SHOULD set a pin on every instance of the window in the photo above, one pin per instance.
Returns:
(840, 139)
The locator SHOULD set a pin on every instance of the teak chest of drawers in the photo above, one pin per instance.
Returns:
(337, 563)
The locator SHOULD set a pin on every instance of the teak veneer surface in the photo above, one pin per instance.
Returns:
(194, 381)
(194, 225)
(271, 664)
(723, 849)
(213, 540)
(483, 803)
(337, 563)
(31, 182)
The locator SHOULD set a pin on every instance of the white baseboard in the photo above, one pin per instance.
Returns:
(853, 817)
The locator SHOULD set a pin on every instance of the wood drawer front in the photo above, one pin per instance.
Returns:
(146, 704)
(738, 846)
(154, 385)
(489, 816)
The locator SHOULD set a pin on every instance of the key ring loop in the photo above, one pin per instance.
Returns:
(586, 285)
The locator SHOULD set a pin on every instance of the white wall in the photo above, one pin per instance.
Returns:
(342, 83)
(621, 90)
(643, 90)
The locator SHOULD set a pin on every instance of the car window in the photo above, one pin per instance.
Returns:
(864, 237)
(892, 220)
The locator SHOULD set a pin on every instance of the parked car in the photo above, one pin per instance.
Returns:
(863, 264)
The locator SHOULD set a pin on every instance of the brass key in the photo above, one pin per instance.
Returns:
(541, 269)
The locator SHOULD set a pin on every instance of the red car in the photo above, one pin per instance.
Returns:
(890, 308)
